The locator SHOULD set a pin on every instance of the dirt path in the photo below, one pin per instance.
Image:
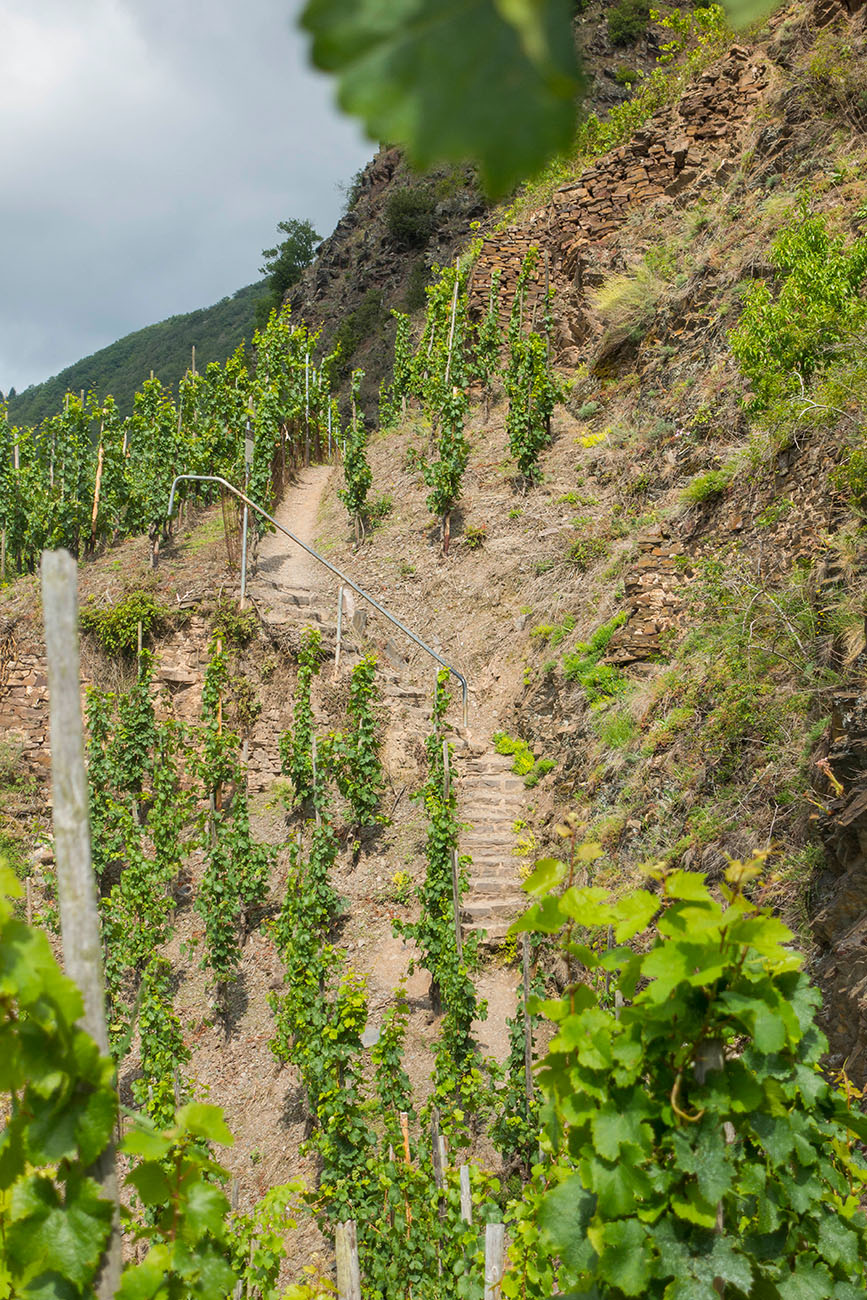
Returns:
(279, 559)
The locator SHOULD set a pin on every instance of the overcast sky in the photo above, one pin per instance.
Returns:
(148, 149)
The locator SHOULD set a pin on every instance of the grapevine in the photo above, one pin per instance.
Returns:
(356, 471)
(530, 387)
(444, 475)
(295, 744)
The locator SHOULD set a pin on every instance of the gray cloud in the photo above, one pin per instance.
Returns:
(148, 149)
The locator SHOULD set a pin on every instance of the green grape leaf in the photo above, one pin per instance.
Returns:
(688, 886)
(141, 1281)
(63, 1238)
(150, 1182)
(613, 1128)
(563, 1217)
(95, 1123)
(625, 1254)
(479, 80)
(633, 914)
(837, 1243)
(142, 1141)
(692, 1206)
(744, 12)
(206, 1209)
(809, 1281)
(617, 1186)
(205, 1121)
(547, 874)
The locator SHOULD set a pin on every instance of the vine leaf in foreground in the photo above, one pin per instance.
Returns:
(475, 80)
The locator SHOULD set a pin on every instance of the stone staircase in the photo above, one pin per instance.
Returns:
(490, 797)
(490, 800)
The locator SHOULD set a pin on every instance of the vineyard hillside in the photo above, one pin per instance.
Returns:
(609, 471)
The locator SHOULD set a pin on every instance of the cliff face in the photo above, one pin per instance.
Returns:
(397, 226)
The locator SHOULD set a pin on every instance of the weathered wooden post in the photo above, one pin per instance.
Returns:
(76, 883)
(348, 1272)
(495, 1242)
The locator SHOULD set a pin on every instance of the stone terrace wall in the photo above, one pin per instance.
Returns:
(181, 660)
(652, 599)
(662, 158)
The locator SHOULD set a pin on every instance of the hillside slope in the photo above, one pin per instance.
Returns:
(164, 348)
(672, 618)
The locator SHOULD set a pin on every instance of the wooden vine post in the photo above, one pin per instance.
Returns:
(76, 883)
(348, 1272)
(495, 1242)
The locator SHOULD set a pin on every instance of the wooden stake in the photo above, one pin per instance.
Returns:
(339, 632)
(495, 1242)
(348, 1272)
(403, 1116)
(94, 512)
(454, 316)
(466, 1194)
(76, 883)
(436, 1153)
(313, 765)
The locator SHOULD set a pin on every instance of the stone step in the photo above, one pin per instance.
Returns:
(498, 908)
(491, 887)
(488, 840)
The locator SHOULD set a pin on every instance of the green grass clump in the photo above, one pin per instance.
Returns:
(524, 762)
(586, 551)
(554, 632)
(706, 486)
(599, 681)
(616, 730)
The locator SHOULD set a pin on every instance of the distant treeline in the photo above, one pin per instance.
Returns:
(164, 348)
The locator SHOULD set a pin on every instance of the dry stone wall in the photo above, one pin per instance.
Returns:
(667, 155)
(181, 660)
(652, 597)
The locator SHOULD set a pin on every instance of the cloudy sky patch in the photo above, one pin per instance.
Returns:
(148, 149)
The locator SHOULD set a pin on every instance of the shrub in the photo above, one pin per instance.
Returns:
(116, 626)
(358, 326)
(626, 76)
(780, 342)
(235, 626)
(409, 217)
(378, 510)
(628, 21)
(836, 76)
(417, 281)
(524, 762)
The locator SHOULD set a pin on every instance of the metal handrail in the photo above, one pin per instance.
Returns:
(214, 478)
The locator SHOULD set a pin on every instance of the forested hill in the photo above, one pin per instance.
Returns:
(164, 348)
